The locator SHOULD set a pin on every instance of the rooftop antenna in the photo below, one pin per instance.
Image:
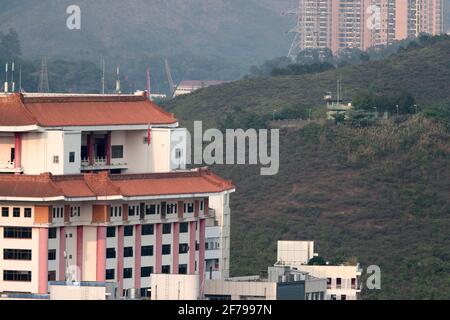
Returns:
(118, 81)
(149, 84)
(13, 84)
(6, 80)
(43, 79)
(20, 78)
(103, 75)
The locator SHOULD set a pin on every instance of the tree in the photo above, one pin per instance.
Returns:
(10, 45)
(317, 261)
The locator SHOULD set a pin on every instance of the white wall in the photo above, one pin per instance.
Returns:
(295, 252)
(175, 287)
(72, 143)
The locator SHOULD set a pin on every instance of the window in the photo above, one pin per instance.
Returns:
(110, 232)
(171, 208)
(145, 293)
(182, 269)
(109, 274)
(328, 283)
(110, 253)
(197, 246)
(184, 227)
(146, 271)
(189, 207)
(5, 212)
(117, 152)
(128, 231)
(338, 283)
(16, 212)
(52, 233)
(71, 157)
(202, 205)
(166, 249)
(133, 211)
(343, 297)
(127, 273)
(183, 248)
(333, 297)
(165, 269)
(75, 211)
(17, 232)
(52, 276)
(128, 252)
(167, 228)
(16, 254)
(27, 213)
(15, 275)
(147, 251)
(147, 229)
(55, 159)
(52, 254)
(152, 209)
(353, 283)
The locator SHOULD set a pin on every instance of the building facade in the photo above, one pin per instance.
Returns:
(94, 189)
(361, 24)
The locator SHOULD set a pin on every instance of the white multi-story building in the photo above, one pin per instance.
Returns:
(342, 280)
(94, 188)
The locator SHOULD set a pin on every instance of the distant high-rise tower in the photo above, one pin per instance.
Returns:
(43, 78)
(340, 24)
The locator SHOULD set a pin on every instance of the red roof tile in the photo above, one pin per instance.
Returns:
(103, 184)
(55, 111)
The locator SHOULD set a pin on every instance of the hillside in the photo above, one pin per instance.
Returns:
(219, 38)
(423, 72)
(381, 194)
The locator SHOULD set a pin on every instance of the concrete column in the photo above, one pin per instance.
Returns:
(43, 261)
(108, 148)
(176, 242)
(62, 249)
(80, 251)
(192, 234)
(158, 248)
(101, 254)
(90, 146)
(137, 256)
(201, 252)
(17, 151)
(119, 277)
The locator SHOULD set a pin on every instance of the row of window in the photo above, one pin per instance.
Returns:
(16, 254)
(17, 232)
(16, 275)
(146, 251)
(147, 229)
(145, 271)
(16, 212)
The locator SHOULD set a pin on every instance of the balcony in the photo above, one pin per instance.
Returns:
(9, 167)
(101, 163)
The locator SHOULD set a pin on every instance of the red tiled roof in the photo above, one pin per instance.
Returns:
(102, 184)
(54, 111)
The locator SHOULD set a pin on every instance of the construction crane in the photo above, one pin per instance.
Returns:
(170, 79)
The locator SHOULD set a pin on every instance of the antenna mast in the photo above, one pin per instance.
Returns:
(103, 75)
(6, 80)
(118, 81)
(170, 79)
(149, 84)
(43, 79)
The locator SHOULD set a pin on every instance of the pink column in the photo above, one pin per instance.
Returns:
(90, 146)
(158, 248)
(62, 248)
(17, 151)
(101, 254)
(176, 242)
(80, 251)
(119, 276)
(108, 148)
(137, 256)
(192, 233)
(201, 253)
(43, 261)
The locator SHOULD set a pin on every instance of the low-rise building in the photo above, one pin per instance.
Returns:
(189, 86)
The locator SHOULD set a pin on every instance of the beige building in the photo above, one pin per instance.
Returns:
(340, 24)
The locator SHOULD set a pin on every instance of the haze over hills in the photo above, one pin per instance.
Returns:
(379, 193)
(230, 33)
